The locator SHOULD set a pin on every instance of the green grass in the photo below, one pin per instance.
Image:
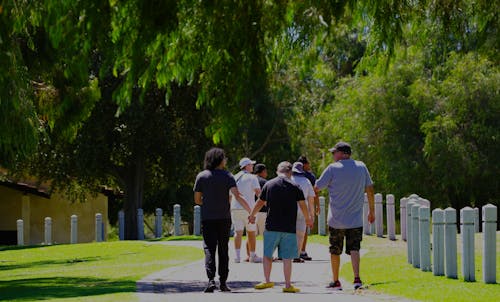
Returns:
(385, 270)
(105, 271)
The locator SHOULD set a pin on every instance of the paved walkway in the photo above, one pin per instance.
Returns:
(186, 283)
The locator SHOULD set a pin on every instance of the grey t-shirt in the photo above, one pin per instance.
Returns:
(214, 186)
(346, 181)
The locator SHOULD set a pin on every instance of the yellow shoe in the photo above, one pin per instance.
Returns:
(291, 289)
(264, 285)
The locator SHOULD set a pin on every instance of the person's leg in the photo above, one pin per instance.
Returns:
(209, 247)
(287, 271)
(355, 263)
(353, 245)
(335, 263)
(300, 239)
(251, 241)
(267, 265)
(270, 243)
(224, 227)
(304, 243)
(336, 246)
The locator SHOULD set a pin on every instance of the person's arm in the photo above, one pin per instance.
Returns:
(305, 212)
(240, 199)
(197, 198)
(310, 204)
(371, 203)
(256, 208)
(316, 201)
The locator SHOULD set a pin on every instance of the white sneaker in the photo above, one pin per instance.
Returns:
(237, 260)
(255, 259)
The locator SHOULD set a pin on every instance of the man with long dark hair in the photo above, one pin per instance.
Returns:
(211, 192)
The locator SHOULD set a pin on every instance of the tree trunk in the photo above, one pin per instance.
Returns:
(134, 193)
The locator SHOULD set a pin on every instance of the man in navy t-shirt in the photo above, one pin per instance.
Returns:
(281, 197)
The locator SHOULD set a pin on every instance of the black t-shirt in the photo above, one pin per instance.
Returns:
(214, 186)
(262, 182)
(281, 196)
(311, 177)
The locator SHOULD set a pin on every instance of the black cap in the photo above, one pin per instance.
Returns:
(258, 168)
(342, 147)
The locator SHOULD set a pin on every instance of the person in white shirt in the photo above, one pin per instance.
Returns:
(249, 187)
(299, 178)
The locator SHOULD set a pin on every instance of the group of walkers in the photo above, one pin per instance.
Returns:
(281, 209)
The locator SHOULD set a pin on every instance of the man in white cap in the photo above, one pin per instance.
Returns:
(249, 186)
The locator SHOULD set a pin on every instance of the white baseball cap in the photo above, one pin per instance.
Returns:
(246, 161)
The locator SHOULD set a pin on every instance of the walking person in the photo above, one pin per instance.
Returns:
(299, 178)
(211, 192)
(282, 198)
(248, 185)
(260, 171)
(312, 178)
(347, 180)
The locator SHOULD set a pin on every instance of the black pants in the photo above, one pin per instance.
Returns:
(216, 236)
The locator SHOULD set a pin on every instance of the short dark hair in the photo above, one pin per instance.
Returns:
(259, 168)
(213, 158)
(303, 159)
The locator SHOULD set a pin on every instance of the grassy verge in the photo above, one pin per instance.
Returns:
(385, 269)
(104, 271)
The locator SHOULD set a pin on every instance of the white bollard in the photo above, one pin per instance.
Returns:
(322, 216)
(467, 233)
(197, 221)
(425, 244)
(48, 230)
(489, 243)
(98, 227)
(409, 236)
(121, 225)
(158, 223)
(20, 232)
(366, 223)
(402, 217)
(476, 220)
(379, 215)
(450, 243)
(140, 224)
(415, 233)
(391, 217)
(438, 242)
(74, 229)
(177, 220)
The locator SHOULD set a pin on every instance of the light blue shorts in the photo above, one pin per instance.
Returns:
(285, 242)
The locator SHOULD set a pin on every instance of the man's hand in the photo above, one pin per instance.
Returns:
(371, 217)
(251, 219)
(309, 222)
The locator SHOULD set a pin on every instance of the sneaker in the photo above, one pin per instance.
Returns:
(335, 285)
(305, 256)
(264, 285)
(291, 289)
(211, 287)
(237, 260)
(256, 259)
(357, 283)
(224, 288)
(298, 260)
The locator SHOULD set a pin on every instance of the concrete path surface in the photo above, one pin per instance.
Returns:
(186, 283)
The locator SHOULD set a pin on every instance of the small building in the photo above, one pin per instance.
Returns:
(32, 202)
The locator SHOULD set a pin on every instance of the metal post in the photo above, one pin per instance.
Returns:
(20, 232)
(48, 230)
(98, 227)
(74, 229)
(477, 222)
(450, 242)
(489, 243)
(177, 220)
(140, 224)
(402, 217)
(415, 232)
(379, 215)
(391, 217)
(438, 242)
(467, 233)
(158, 223)
(409, 236)
(121, 225)
(366, 223)
(425, 244)
(197, 221)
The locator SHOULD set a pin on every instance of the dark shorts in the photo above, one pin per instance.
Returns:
(352, 237)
